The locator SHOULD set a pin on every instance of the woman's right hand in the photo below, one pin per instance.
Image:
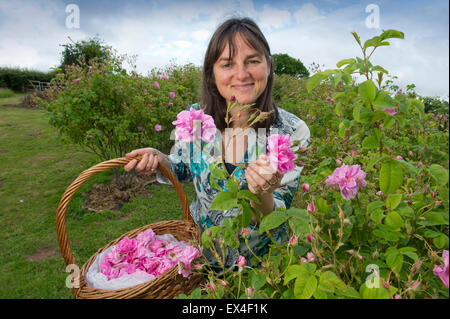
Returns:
(148, 163)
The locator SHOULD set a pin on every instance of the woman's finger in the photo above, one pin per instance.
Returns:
(130, 165)
(252, 184)
(142, 163)
(148, 167)
(259, 180)
(155, 163)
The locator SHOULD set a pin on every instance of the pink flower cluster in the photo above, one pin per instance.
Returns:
(279, 153)
(349, 179)
(187, 128)
(147, 253)
(442, 270)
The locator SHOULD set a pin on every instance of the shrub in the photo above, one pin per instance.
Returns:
(17, 79)
(109, 111)
(385, 236)
(284, 64)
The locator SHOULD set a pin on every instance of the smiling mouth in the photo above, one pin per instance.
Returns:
(243, 87)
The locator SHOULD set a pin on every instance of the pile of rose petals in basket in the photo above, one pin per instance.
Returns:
(150, 254)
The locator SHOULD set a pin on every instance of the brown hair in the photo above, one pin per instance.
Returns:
(215, 104)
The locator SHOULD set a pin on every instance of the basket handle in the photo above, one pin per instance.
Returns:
(83, 177)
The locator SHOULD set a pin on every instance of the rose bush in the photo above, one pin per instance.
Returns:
(382, 232)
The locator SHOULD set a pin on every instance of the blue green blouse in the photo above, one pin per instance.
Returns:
(189, 164)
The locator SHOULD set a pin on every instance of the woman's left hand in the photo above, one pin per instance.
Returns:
(261, 177)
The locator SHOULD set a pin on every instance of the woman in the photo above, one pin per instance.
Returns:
(237, 64)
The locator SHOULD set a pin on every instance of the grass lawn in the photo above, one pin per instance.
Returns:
(36, 168)
(14, 100)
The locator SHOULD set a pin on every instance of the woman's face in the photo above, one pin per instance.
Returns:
(244, 76)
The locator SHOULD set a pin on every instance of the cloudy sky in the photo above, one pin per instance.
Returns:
(165, 31)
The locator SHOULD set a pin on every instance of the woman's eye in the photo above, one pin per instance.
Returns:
(227, 65)
(254, 61)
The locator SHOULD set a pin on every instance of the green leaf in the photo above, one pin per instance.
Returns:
(294, 271)
(370, 142)
(377, 292)
(383, 101)
(246, 194)
(273, 220)
(229, 238)
(356, 36)
(391, 177)
(224, 200)
(389, 122)
(371, 42)
(344, 62)
(218, 173)
(206, 240)
(247, 214)
(432, 219)
(394, 221)
(257, 279)
(393, 201)
(379, 68)
(395, 261)
(299, 221)
(439, 173)
(375, 205)
(309, 288)
(391, 33)
(315, 80)
(368, 90)
(232, 185)
(441, 241)
(349, 292)
(356, 112)
(419, 107)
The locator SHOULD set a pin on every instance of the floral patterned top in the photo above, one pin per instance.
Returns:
(189, 164)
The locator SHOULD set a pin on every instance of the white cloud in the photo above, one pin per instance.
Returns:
(201, 35)
(272, 18)
(182, 44)
(307, 13)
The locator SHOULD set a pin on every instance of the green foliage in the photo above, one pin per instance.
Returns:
(84, 52)
(385, 242)
(284, 64)
(4, 93)
(17, 79)
(435, 105)
(109, 111)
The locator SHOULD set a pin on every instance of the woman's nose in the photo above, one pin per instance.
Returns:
(242, 73)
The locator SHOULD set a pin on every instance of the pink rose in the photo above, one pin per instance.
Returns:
(311, 208)
(158, 128)
(305, 188)
(293, 240)
(187, 126)
(279, 153)
(391, 112)
(442, 270)
(349, 179)
(241, 262)
(310, 257)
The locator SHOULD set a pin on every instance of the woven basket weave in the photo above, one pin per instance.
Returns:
(169, 284)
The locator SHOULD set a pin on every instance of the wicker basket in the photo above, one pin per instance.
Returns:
(169, 284)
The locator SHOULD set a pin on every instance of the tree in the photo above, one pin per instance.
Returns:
(85, 49)
(284, 64)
